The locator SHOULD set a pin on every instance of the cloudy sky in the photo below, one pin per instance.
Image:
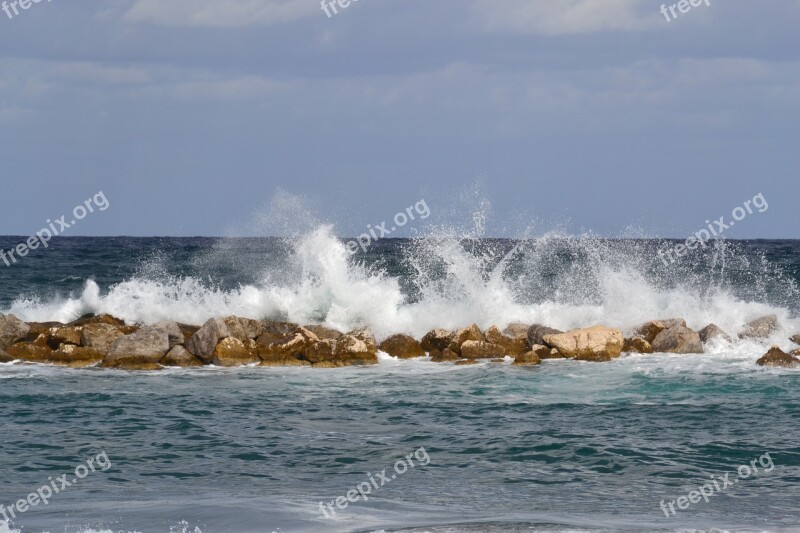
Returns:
(199, 117)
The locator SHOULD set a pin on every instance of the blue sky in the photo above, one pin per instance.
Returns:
(201, 117)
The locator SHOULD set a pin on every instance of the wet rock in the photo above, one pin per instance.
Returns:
(650, 330)
(180, 356)
(537, 332)
(34, 353)
(513, 346)
(678, 339)
(366, 336)
(637, 345)
(352, 350)
(64, 335)
(465, 362)
(75, 356)
(481, 350)
(529, 358)
(402, 346)
(205, 340)
(4, 357)
(97, 319)
(174, 333)
(324, 332)
(300, 344)
(795, 339)
(99, 336)
(597, 343)
(139, 351)
(12, 329)
(711, 332)
(231, 351)
(445, 356)
(760, 328)
(778, 358)
(517, 330)
(437, 340)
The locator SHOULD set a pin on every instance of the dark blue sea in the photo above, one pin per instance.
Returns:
(561, 447)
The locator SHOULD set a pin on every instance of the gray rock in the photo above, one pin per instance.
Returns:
(537, 332)
(650, 330)
(99, 337)
(760, 328)
(12, 329)
(141, 350)
(712, 331)
(678, 339)
(180, 356)
(795, 339)
(205, 340)
(517, 330)
(173, 332)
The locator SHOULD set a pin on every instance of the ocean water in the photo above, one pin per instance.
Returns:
(564, 446)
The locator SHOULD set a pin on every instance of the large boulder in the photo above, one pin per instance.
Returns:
(180, 357)
(678, 339)
(650, 330)
(140, 351)
(75, 356)
(637, 345)
(324, 332)
(533, 357)
(205, 340)
(470, 333)
(537, 333)
(108, 320)
(481, 350)
(31, 352)
(795, 339)
(517, 330)
(711, 332)
(351, 349)
(513, 346)
(12, 329)
(597, 343)
(760, 328)
(99, 336)
(64, 335)
(445, 356)
(778, 358)
(4, 357)
(174, 333)
(297, 345)
(437, 340)
(231, 351)
(402, 347)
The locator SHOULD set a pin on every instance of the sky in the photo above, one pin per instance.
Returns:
(510, 117)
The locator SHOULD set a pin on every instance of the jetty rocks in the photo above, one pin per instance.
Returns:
(107, 342)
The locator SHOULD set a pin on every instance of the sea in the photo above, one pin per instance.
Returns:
(560, 447)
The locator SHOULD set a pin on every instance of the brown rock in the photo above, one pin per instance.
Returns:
(298, 345)
(324, 333)
(365, 335)
(778, 358)
(597, 343)
(760, 328)
(512, 346)
(327, 364)
(99, 336)
(64, 335)
(464, 362)
(537, 332)
(34, 353)
(352, 350)
(12, 329)
(85, 320)
(139, 351)
(75, 356)
(402, 346)
(4, 357)
(711, 332)
(188, 331)
(180, 356)
(636, 345)
(498, 360)
(517, 330)
(232, 352)
(678, 339)
(796, 352)
(649, 330)
(445, 356)
(527, 359)
(437, 340)
(481, 350)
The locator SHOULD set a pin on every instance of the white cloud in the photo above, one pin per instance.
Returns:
(566, 17)
(220, 13)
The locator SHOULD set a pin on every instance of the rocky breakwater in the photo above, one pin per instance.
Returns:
(108, 342)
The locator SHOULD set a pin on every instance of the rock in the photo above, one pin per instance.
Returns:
(513, 346)
(327, 364)
(352, 350)
(548, 353)
(517, 330)
(711, 332)
(180, 356)
(637, 345)
(174, 333)
(437, 340)
(650, 330)
(365, 335)
(298, 345)
(796, 352)
(99, 336)
(85, 320)
(537, 332)
(75, 356)
(235, 328)
(760, 328)
(597, 343)
(64, 335)
(498, 360)
(252, 328)
(5, 358)
(778, 358)
(205, 340)
(231, 351)
(324, 333)
(35, 353)
(139, 351)
(470, 333)
(40, 328)
(528, 359)
(678, 339)
(464, 362)
(445, 356)
(795, 339)
(12, 329)
(481, 350)
(402, 346)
